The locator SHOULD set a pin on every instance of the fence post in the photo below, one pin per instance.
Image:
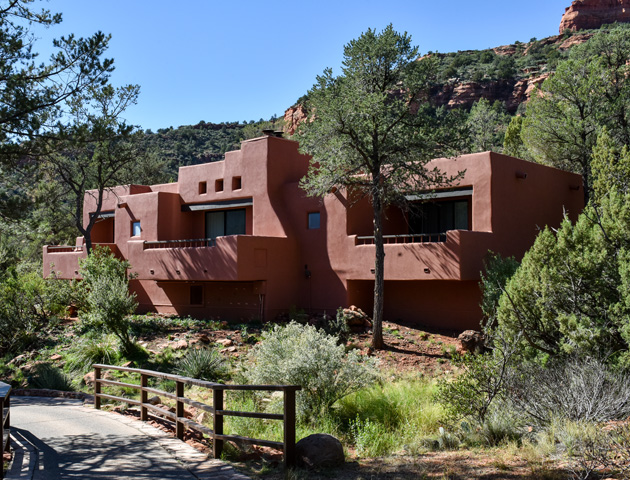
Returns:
(289, 427)
(2, 433)
(144, 382)
(217, 403)
(179, 410)
(97, 388)
(7, 403)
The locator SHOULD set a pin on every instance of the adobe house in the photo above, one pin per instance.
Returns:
(239, 239)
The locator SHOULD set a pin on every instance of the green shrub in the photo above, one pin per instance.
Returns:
(47, 376)
(27, 303)
(107, 301)
(90, 350)
(302, 355)
(109, 304)
(202, 363)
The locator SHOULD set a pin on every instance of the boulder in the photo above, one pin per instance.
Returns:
(88, 378)
(470, 341)
(319, 450)
(155, 400)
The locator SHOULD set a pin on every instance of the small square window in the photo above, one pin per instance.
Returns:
(136, 230)
(218, 185)
(313, 220)
(203, 188)
(236, 183)
(196, 294)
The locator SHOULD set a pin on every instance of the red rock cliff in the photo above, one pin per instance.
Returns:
(587, 14)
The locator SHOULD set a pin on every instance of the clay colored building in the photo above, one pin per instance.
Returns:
(239, 239)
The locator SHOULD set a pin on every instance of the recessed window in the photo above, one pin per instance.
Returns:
(136, 230)
(196, 294)
(220, 223)
(218, 185)
(236, 183)
(439, 217)
(313, 220)
(203, 188)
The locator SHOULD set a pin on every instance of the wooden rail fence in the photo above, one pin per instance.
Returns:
(5, 421)
(216, 409)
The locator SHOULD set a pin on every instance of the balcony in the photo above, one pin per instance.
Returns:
(227, 258)
(454, 255)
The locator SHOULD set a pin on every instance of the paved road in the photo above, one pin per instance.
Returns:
(80, 443)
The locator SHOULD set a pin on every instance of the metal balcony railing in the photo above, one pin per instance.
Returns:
(411, 238)
(190, 243)
(64, 249)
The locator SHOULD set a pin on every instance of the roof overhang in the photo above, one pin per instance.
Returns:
(220, 205)
(437, 195)
(109, 214)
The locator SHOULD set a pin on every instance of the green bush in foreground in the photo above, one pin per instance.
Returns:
(302, 355)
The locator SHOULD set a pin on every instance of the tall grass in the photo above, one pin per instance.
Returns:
(378, 420)
(391, 417)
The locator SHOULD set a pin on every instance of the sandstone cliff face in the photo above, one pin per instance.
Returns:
(590, 14)
(293, 116)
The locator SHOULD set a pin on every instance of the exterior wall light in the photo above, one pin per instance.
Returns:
(427, 270)
(521, 175)
(307, 272)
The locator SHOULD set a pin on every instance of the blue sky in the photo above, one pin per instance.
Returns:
(222, 60)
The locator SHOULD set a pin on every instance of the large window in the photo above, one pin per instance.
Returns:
(220, 223)
(438, 217)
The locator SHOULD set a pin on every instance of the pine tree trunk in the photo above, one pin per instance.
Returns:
(379, 275)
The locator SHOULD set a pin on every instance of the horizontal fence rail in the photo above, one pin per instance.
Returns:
(5, 420)
(190, 243)
(216, 409)
(411, 238)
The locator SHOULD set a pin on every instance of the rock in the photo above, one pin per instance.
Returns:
(155, 400)
(226, 342)
(293, 117)
(19, 359)
(88, 379)
(203, 338)
(55, 357)
(470, 341)
(319, 450)
(592, 14)
(180, 345)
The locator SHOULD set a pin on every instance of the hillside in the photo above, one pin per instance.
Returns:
(508, 74)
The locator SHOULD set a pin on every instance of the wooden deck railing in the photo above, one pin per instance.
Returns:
(5, 421)
(216, 409)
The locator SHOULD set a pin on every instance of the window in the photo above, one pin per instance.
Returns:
(220, 223)
(203, 188)
(218, 185)
(439, 217)
(236, 183)
(196, 294)
(135, 229)
(313, 220)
